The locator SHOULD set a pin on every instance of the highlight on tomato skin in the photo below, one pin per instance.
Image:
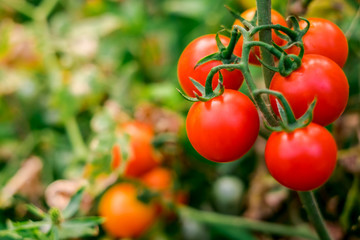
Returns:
(142, 155)
(224, 128)
(195, 51)
(125, 215)
(318, 77)
(324, 38)
(302, 160)
(276, 18)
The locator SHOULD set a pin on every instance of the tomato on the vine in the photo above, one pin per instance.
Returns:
(224, 128)
(158, 179)
(318, 77)
(125, 215)
(142, 155)
(301, 160)
(276, 18)
(195, 51)
(324, 38)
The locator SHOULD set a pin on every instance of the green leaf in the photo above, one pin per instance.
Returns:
(219, 44)
(80, 227)
(191, 99)
(208, 58)
(198, 86)
(36, 211)
(74, 204)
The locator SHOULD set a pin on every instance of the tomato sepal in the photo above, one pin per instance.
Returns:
(287, 122)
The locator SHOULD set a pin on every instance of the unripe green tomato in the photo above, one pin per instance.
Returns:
(227, 193)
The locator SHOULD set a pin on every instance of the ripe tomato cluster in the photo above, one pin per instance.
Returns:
(126, 216)
(224, 127)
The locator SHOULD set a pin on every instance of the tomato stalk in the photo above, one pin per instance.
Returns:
(241, 222)
(312, 209)
(264, 18)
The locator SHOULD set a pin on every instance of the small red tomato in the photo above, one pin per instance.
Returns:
(276, 18)
(158, 179)
(324, 38)
(318, 77)
(142, 155)
(224, 128)
(301, 160)
(195, 51)
(125, 216)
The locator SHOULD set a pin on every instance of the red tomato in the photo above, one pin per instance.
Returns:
(224, 128)
(317, 77)
(125, 216)
(196, 50)
(158, 179)
(326, 39)
(276, 18)
(301, 160)
(142, 156)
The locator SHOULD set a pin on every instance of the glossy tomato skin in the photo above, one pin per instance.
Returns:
(301, 160)
(142, 155)
(276, 18)
(324, 38)
(224, 128)
(196, 50)
(125, 216)
(317, 77)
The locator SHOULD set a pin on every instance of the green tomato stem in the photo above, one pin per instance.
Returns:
(242, 222)
(264, 18)
(229, 50)
(314, 214)
(292, 34)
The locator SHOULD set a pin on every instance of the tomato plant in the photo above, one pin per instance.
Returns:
(125, 216)
(301, 160)
(276, 18)
(195, 51)
(142, 156)
(224, 128)
(320, 78)
(324, 38)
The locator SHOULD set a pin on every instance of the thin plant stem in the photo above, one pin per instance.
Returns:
(242, 222)
(75, 137)
(314, 214)
(264, 18)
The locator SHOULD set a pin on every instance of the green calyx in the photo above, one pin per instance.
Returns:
(287, 121)
(206, 93)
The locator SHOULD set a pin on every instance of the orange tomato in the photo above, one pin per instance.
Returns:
(276, 18)
(158, 179)
(125, 216)
(142, 155)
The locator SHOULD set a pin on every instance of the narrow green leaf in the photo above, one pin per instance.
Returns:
(282, 112)
(187, 97)
(208, 58)
(74, 204)
(198, 86)
(36, 211)
(219, 44)
(308, 115)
